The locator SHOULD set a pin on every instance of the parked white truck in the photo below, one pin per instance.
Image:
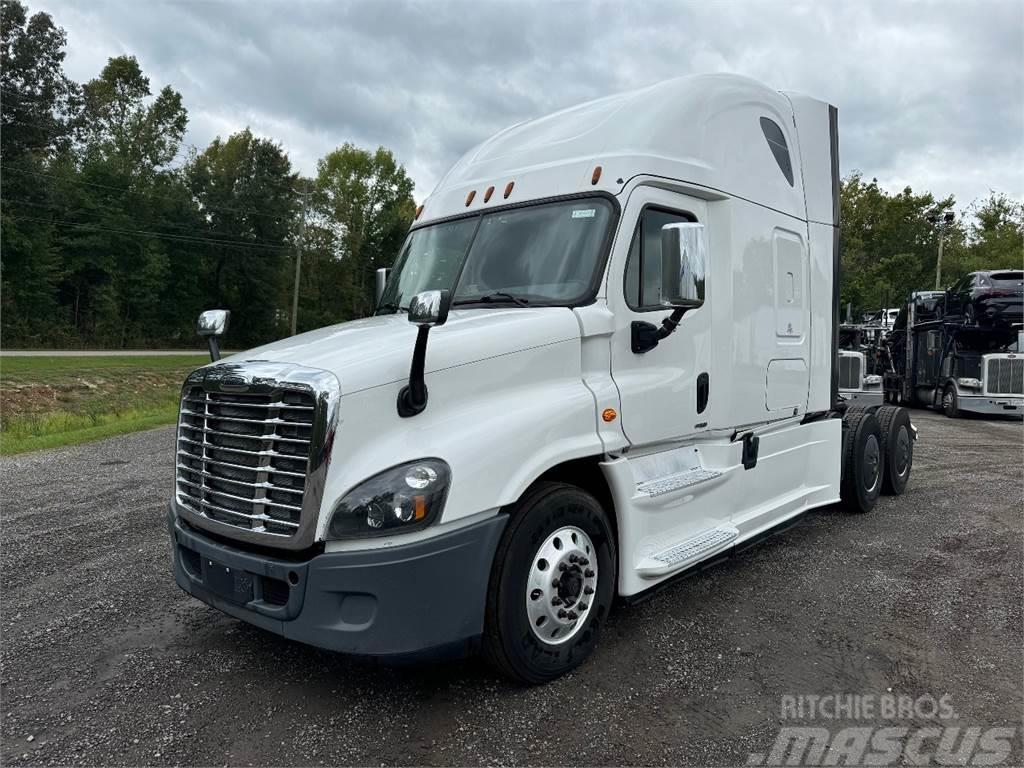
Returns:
(606, 353)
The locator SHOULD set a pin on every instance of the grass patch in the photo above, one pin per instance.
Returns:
(48, 402)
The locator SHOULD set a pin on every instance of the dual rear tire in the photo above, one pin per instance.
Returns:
(878, 453)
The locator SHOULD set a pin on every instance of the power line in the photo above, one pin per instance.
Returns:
(151, 196)
(162, 235)
(175, 225)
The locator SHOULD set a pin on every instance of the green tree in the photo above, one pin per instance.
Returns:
(888, 246)
(996, 236)
(364, 199)
(36, 104)
(245, 189)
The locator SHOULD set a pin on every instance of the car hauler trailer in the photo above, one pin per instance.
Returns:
(955, 366)
(606, 353)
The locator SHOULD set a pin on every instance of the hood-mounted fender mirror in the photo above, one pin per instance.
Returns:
(426, 310)
(684, 260)
(213, 323)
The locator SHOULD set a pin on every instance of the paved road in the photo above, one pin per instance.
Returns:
(105, 661)
(101, 352)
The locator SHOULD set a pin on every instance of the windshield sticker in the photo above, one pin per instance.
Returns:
(589, 213)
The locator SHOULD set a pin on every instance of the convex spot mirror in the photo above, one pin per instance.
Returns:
(429, 308)
(684, 259)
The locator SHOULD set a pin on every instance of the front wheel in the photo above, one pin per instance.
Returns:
(551, 586)
(951, 402)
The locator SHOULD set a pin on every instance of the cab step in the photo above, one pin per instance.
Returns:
(662, 485)
(687, 552)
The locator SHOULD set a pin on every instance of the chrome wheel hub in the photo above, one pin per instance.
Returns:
(561, 585)
(902, 451)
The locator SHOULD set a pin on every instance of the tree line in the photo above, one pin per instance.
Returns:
(115, 233)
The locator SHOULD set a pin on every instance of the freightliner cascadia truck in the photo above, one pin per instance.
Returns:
(605, 354)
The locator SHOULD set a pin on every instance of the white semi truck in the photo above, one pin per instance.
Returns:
(606, 353)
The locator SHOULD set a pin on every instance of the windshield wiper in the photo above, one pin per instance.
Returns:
(497, 296)
(390, 308)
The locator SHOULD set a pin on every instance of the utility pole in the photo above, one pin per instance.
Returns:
(942, 219)
(298, 257)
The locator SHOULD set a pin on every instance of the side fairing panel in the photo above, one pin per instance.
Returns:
(820, 239)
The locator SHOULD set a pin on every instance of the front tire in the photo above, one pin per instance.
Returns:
(552, 584)
(951, 402)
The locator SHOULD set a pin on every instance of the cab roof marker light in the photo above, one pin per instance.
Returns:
(596, 176)
(488, 193)
(419, 210)
(470, 196)
(508, 189)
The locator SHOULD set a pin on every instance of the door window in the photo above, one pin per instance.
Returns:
(643, 266)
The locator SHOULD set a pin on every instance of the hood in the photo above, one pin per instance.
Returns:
(378, 350)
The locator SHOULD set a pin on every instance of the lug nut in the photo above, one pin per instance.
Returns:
(556, 600)
(588, 590)
(572, 615)
(562, 613)
(573, 558)
(562, 566)
(583, 606)
(584, 561)
(589, 573)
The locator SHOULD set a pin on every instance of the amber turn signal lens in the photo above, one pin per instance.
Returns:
(609, 414)
(508, 189)
(420, 508)
(470, 196)
(596, 177)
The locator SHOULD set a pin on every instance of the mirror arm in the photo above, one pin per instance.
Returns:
(214, 346)
(412, 398)
(645, 336)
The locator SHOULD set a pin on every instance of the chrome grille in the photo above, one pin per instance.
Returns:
(850, 370)
(252, 447)
(1005, 376)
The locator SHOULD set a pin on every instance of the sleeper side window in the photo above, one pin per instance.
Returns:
(777, 143)
(643, 265)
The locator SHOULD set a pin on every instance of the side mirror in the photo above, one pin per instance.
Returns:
(427, 309)
(380, 285)
(684, 258)
(213, 323)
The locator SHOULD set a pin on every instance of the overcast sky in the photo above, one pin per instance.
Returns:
(930, 95)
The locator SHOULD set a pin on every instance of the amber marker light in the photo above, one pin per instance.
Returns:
(508, 189)
(470, 196)
(488, 193)
(609, 414)
(596, 176)
(421, 507)
(419, 210)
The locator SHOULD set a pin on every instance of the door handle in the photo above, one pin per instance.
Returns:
(703, 391)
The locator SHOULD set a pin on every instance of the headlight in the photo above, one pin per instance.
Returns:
(404, 498)
(969, 383)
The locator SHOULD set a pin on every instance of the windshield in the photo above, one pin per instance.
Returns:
(544, 254)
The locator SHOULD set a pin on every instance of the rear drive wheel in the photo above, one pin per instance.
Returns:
(899, 448)
(951, 402)
(862, 462)
(551, 586)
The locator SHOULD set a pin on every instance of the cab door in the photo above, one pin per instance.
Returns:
(666, 393)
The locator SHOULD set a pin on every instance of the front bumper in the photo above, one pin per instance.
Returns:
(410, 600)
(992, 405)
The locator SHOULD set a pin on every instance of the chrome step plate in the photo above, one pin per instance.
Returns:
(691, 548)
(663, 485)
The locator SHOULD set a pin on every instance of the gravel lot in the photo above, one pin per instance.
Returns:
(105, 662)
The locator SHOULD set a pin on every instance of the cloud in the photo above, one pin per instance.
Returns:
(931, 95)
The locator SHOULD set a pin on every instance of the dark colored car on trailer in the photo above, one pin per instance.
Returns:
(988, 298)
